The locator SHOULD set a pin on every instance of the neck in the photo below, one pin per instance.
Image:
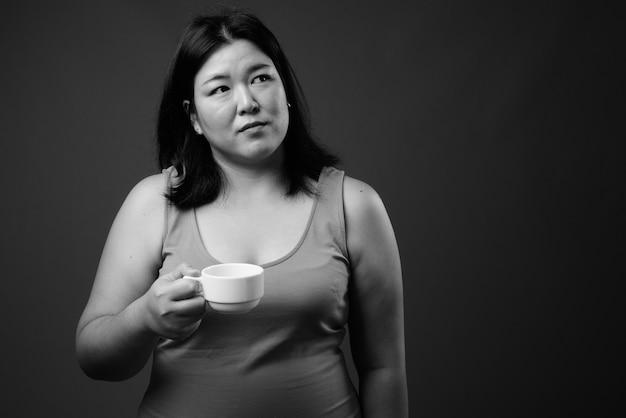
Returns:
(252, 182)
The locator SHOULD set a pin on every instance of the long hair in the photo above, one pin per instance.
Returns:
(200, 178)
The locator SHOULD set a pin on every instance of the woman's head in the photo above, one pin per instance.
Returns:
(178, 143)
(240, 106)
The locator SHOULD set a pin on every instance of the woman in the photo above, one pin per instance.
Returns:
(243, 181)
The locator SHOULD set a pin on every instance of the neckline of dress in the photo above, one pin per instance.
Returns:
(291, 252)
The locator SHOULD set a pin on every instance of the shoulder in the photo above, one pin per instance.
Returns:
(147, 199)
(367, 222)
(140, 221)
(370, 237)
(150, 191)
(361, 200)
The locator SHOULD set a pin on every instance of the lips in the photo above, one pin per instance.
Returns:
(251, 125)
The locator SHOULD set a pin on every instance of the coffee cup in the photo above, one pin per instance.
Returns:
(232, 288)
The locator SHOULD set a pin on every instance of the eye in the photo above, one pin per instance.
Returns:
(218, 90)
(261, 78)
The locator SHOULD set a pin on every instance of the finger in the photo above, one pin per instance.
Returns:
(182, 270)
(193, 308)
(187, 270)
(187, 331)
(184, 289)
(197, 283)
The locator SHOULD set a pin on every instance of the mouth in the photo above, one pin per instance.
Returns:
(251, 125)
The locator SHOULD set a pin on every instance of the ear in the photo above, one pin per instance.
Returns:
(192, 117)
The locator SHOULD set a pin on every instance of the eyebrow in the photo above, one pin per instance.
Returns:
(251, 69)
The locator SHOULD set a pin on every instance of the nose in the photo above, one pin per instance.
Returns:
(246, 103)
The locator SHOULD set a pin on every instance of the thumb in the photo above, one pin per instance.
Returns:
(182, 270)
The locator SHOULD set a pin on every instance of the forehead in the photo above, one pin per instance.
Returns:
(232, 59)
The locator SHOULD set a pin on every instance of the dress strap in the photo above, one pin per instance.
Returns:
(330, 189)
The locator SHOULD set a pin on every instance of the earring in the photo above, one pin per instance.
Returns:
(289, 105)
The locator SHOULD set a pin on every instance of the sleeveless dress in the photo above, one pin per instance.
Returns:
(282, 359)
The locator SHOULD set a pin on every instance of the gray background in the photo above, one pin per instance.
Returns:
(494, 131)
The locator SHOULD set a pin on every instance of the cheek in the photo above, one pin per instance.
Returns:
(280, 114)
(279, 108)
(275, 99)
(285, 118)
(214, 117)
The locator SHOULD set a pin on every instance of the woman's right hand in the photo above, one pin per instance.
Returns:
(175, 306)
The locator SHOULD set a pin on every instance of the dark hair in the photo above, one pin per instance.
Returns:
(200, 178)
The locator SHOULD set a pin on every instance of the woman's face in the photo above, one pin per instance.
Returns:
(240, 105)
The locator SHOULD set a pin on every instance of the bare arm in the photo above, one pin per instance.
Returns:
(376, 304)
(129, 308)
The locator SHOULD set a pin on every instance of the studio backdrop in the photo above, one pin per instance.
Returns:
(492, 130)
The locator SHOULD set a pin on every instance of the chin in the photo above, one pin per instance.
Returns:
(265, 148)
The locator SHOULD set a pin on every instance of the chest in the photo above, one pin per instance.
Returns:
(259, 234)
